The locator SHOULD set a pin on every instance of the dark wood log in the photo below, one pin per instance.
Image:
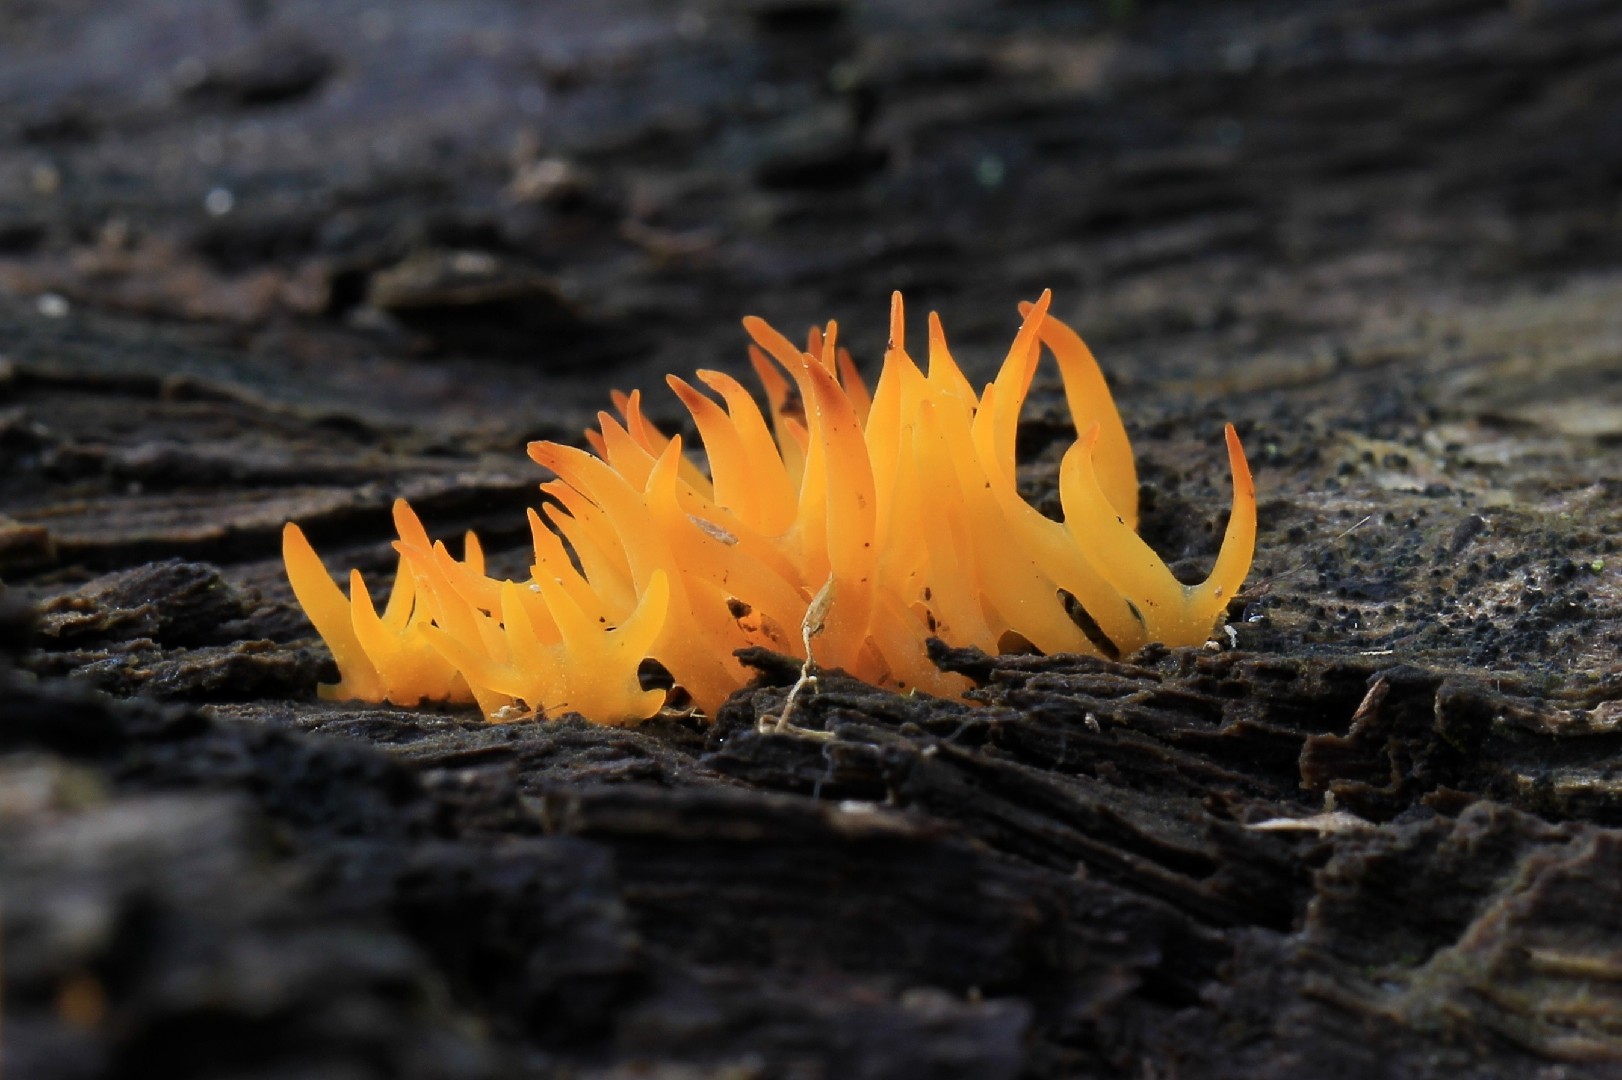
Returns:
(266, 262)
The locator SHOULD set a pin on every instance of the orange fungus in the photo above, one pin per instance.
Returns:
(895, 510)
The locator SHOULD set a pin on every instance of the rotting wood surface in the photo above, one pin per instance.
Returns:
(275, 262)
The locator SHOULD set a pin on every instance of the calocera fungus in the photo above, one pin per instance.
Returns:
(897, 511)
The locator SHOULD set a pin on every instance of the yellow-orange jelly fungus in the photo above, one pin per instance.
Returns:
(895, 512)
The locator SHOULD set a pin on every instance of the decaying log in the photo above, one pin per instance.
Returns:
(276, 262)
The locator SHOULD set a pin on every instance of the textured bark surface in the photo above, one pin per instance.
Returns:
(272, 261)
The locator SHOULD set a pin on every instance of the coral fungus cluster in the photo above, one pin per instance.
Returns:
(892, 516)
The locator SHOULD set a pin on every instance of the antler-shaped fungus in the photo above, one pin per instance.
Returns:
(898, 508)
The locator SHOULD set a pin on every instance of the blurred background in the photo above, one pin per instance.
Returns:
(570, 185)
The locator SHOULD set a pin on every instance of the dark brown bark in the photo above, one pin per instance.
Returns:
(269, 262)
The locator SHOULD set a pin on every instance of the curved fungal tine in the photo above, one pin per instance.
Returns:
(324, 603)
(1125, 561)
(1210, 598)
(1090, 402)
(732, 481)
(1013, 383)
(375, 639)
(944, 372)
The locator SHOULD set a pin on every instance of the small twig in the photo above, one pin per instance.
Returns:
(815, 617)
